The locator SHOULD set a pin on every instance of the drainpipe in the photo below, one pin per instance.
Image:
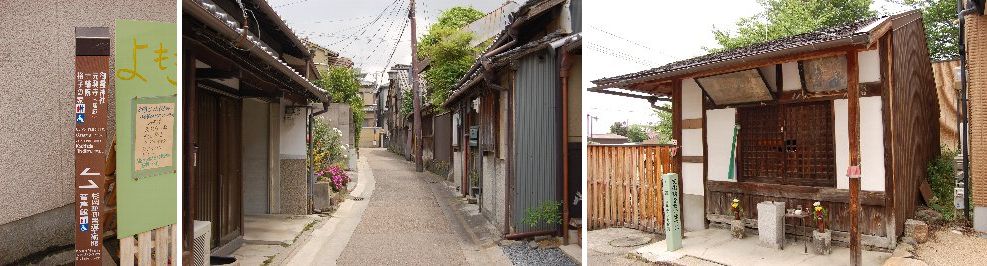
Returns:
(308, 154)
(964, 101)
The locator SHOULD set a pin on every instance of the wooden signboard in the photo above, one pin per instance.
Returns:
(146, 58)
(92, 70)
(673, 211)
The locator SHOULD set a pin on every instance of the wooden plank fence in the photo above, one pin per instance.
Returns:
(624, 185)
(155, 247)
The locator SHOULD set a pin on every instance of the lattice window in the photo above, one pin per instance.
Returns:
(788, 144)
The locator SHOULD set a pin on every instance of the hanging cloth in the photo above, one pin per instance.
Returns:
(731, 172)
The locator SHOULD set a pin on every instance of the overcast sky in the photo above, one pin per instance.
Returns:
(327, 22)
(621, 40)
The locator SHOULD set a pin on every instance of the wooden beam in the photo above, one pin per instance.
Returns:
(677, 135)
(827, 194)
(696, 123)
(215, 73)
(692, 159)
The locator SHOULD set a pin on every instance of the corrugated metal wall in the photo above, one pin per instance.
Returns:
(576, 8)
(537, 137)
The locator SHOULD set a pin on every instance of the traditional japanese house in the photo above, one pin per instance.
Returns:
(246, 104)
(798, 111)
(516, 119)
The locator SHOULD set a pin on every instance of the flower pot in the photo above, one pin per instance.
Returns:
(822, 242)
(737, 229)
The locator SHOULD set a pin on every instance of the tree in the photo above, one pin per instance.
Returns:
(343, 85)
(448, 47)
(637, 133)
(783, 18)
(941, 29)
(663, 129)
(619, 128)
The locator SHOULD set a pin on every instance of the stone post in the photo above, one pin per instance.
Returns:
(771, 224)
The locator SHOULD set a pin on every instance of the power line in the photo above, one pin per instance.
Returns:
(619, 55)
(631, 42)
(364, 29)
(292, 3)
(387, 28)
(374, 50)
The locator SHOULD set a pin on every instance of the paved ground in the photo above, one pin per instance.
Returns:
(601, 252)
(404, 222)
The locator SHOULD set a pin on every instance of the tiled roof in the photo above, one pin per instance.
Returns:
(805, 39)
(230, 22)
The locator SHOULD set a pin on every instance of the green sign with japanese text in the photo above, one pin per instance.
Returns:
(146, 64)
(673, 211)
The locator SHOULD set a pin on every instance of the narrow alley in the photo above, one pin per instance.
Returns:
(405, 217)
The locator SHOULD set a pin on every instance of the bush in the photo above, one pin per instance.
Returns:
(942, 179)
(327, 147)
(548, 213)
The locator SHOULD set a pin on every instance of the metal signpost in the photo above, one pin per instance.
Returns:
(673, 225)
(92, 70)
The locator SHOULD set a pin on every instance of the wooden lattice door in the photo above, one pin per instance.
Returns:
(787, 144)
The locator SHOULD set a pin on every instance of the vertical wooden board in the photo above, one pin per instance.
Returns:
(161, 245)
(127, 251)
(144, 246)
(173, 247)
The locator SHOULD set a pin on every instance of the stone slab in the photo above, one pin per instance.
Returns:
(771, 224)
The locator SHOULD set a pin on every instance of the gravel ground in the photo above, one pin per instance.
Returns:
(948, 248)
(521, 254)
(403, 223)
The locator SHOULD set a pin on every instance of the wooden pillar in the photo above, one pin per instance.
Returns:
(853, 110)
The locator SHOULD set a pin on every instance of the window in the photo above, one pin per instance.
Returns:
(787, 144)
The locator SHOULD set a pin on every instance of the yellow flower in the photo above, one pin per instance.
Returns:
(734, 205)
(818, 208)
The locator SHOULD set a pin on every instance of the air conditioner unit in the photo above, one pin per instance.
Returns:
(201, 242)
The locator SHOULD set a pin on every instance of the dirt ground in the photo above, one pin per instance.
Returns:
(947, 246)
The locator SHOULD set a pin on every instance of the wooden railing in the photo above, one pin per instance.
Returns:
(624, 185)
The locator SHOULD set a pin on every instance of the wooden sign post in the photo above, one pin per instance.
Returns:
(92, 70)
(853, 110)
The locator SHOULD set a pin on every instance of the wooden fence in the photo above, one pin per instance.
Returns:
(155, 247)
(624, 185)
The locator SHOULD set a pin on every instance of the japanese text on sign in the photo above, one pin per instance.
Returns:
(154, 139)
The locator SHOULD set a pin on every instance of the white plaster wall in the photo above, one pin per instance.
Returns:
(692, 139)
(870, 65)
(790, 76)
(455, 123)
(293, 134)
(692, 100)
(720, 124)
(770, 75)
(692, 142)
(692, 178)
(871, 144)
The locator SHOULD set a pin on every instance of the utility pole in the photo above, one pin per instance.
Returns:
(416, 140)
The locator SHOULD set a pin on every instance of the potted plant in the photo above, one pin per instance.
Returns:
(821, 237)
(475, 184)
(737, 229)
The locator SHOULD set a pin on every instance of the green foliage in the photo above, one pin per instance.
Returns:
(549, 212)
(783, 18)
(942, 179)
(407, 104)
(447, 46)
(663, 129)
(343, 85)
(941, 27)
(619, 128)
(327, 146)
(637, 133)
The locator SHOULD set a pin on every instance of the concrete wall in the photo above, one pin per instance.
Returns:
(37, 57)
(871, 144)
(255, 136)
(370, 137)
(494, 201)
(457, 169)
